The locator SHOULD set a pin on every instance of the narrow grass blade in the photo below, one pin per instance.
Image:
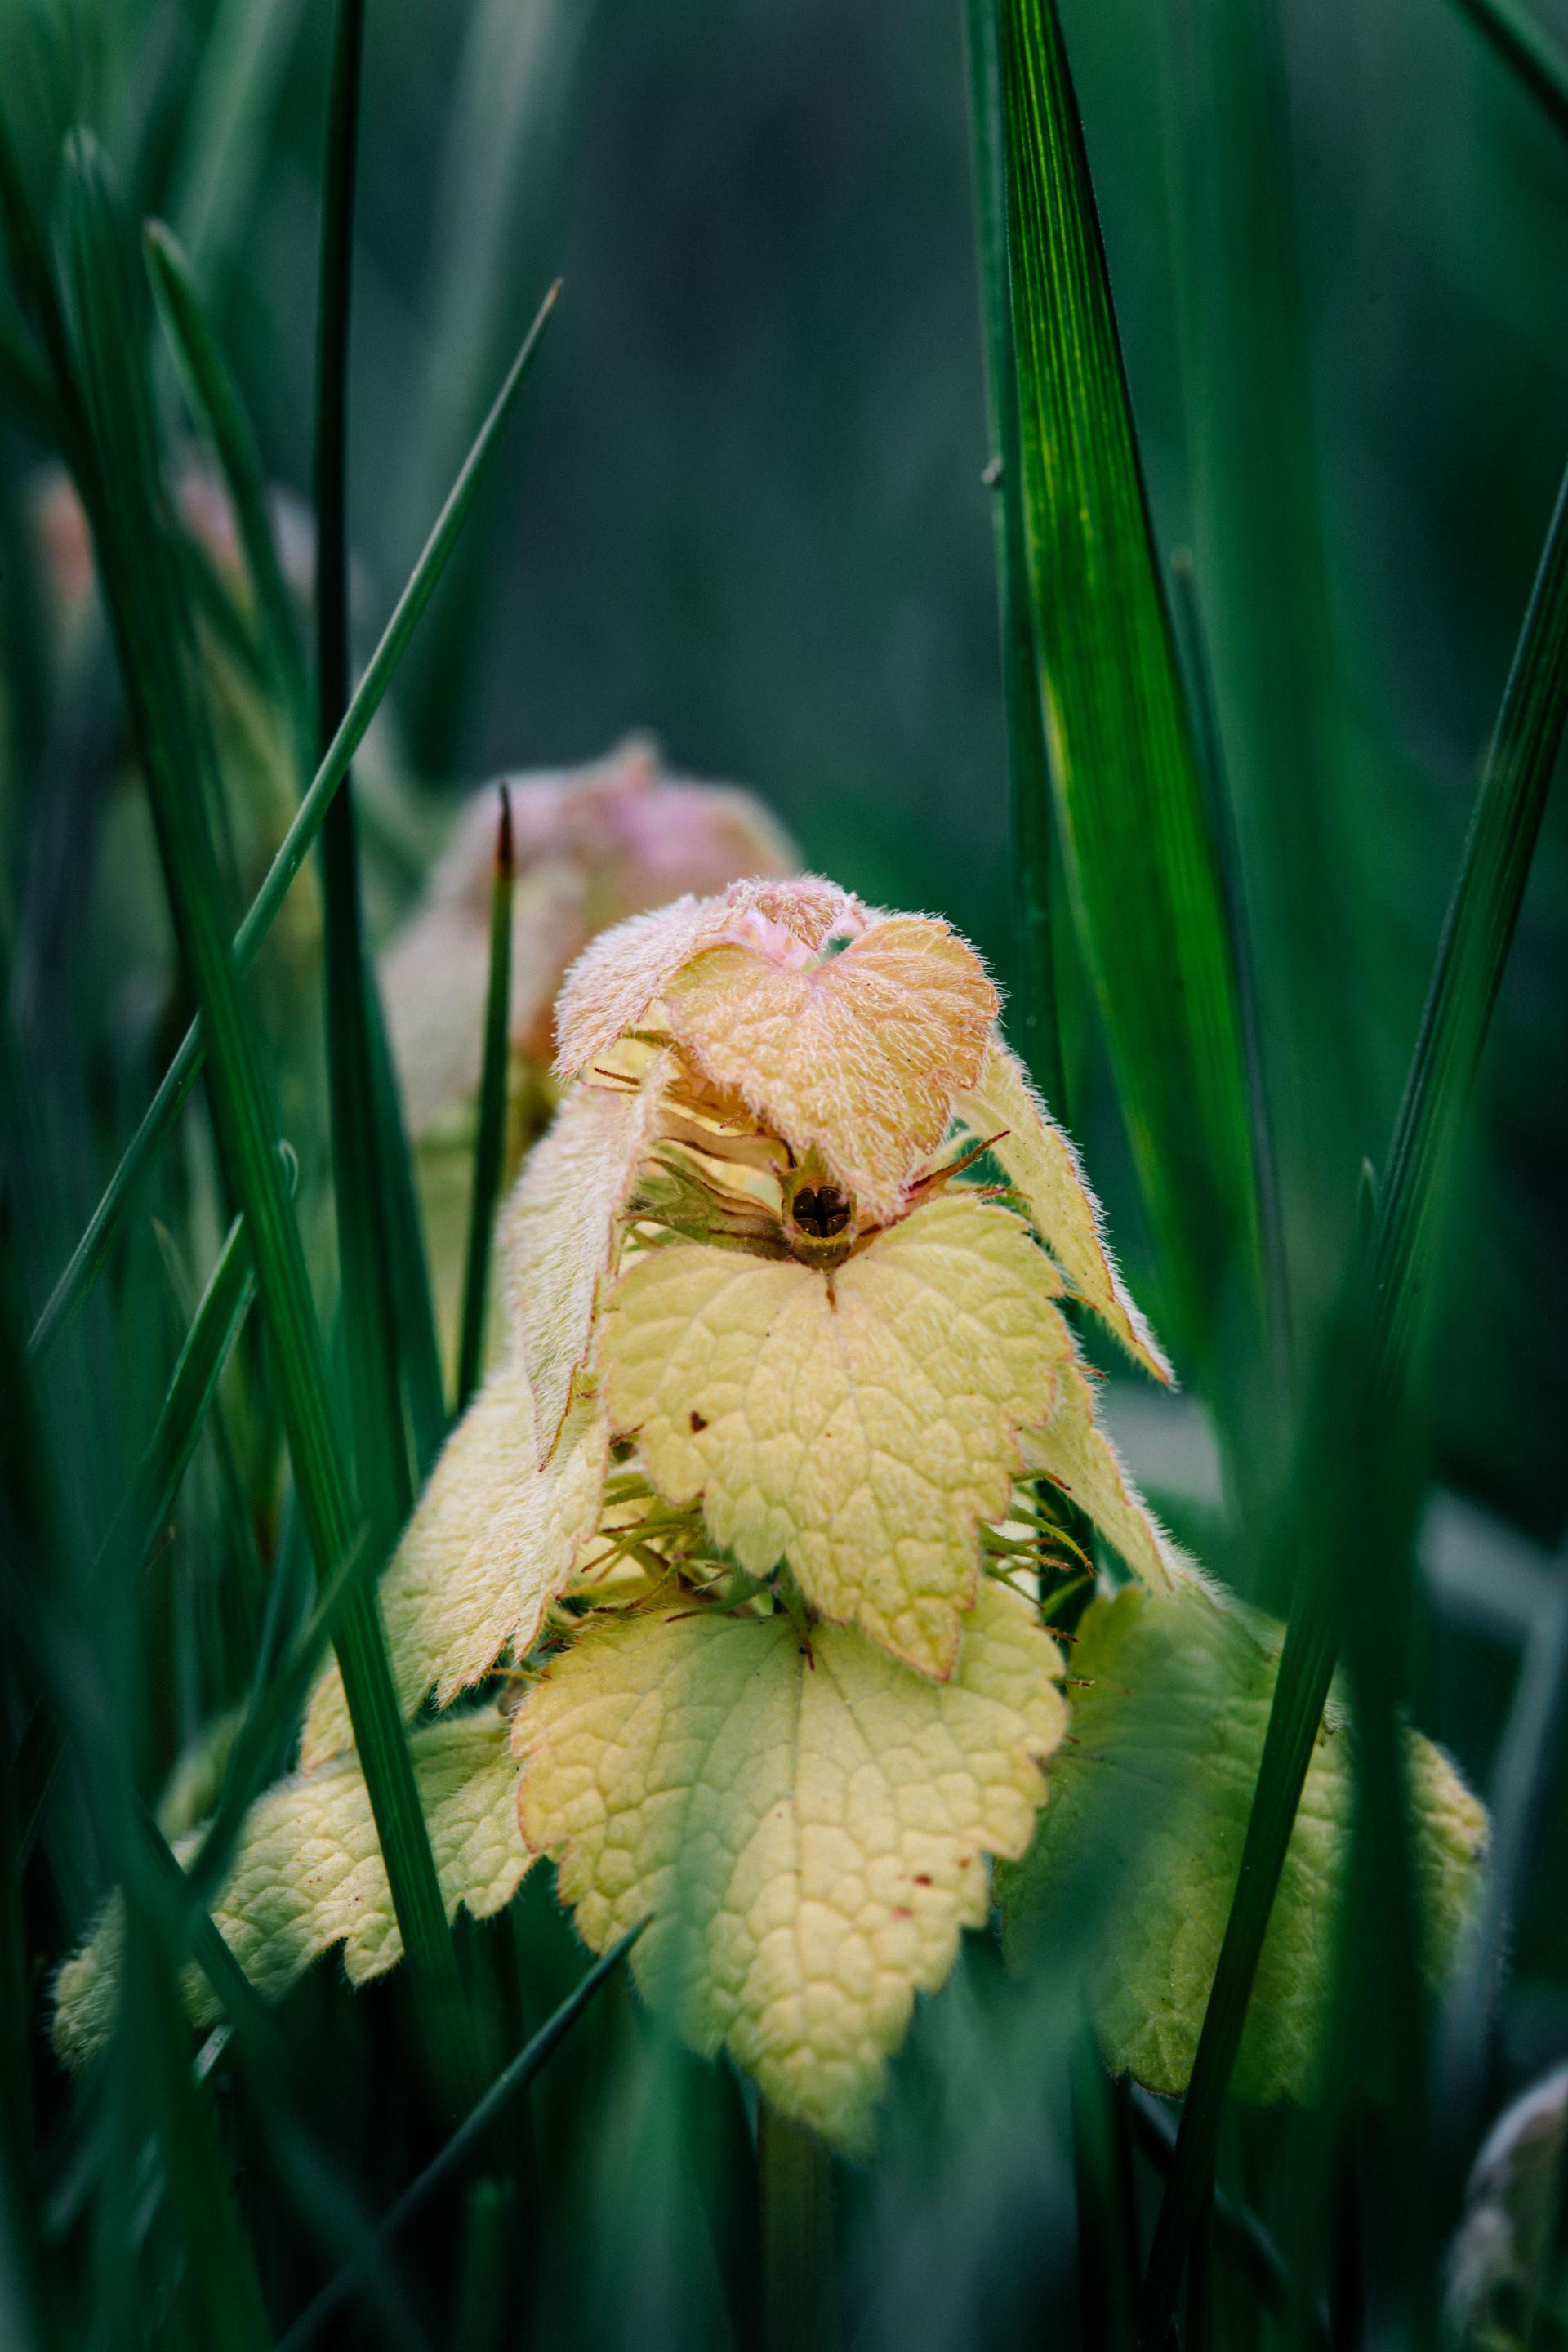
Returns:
(419, 1344)
(515, 2078)
(1238, 2235)
(1267, 615)
(150, 622)
(87, 1259)
(214, 1326)
(490, 1143)
(1348, 1485)
(215, 401)
(245, 53)
(1528, 48)
(386, 1483)
(1128, 797)
(222, 2270)
(1035, 1025)
(69, 1659)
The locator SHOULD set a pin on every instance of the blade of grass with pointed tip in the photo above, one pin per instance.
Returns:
(1129, 798)
(107, 355)
(1035, 1025)
(1365, 1371)
(87, 1259)
(514, 2078)
(490, 1141)
(216, 404)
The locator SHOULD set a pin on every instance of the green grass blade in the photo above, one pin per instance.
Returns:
(214, 1326)
(419, 1344)
(490, 1143)
(385, 1482)
(143, 593)
(87, 1259)
(216, 404)
(1346, 1463)
(1528, 48)
(1248, 2248)
(1035, 1025)
(1268, 617)
(245, 55)
(222, 2270)
(1128, 797)
(468, 2135)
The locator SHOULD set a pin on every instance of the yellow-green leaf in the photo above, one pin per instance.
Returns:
(493, 1541)
(860, 1424)
(308, 1874)
(1148, 1812)
(859, 1055)
(808, 1836)
(622, 973)
(1044, 1168)
(1075, 1453)
(561, 1233)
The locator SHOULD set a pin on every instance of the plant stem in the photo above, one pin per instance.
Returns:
(798, 2300)
(490, 1143)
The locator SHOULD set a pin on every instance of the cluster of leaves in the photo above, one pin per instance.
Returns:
(737, 1591)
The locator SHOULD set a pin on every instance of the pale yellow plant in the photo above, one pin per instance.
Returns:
(764, 1510)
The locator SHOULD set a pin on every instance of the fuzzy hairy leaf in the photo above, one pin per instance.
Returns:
(859, 1055)
(1075, 1453)
(860, 1424)
(809, 1837)
(562, 1235)
(492, 1543)
(1043, 1167)
(1152, 1801)
(308, 1874)
(616, 980)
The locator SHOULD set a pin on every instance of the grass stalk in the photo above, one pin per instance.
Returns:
(490, 1143)
(795, 2172)
(215, 401)
(1129, 805)
(1352, 1429)
(385, 1483)
(469, 2134)
(144, 593)
(90, 1255)
(1036, 1024)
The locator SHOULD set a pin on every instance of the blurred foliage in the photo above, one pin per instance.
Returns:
(746, 511)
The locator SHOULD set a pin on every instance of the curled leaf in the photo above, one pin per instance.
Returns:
(859, 1055)
(1075, 1453)
(1149, 1809)
(494, 1540)
(561, 1233)
(1043, 1167)
(308, 1874)
(860, 1424)
(809, 1838)
(614, 983)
